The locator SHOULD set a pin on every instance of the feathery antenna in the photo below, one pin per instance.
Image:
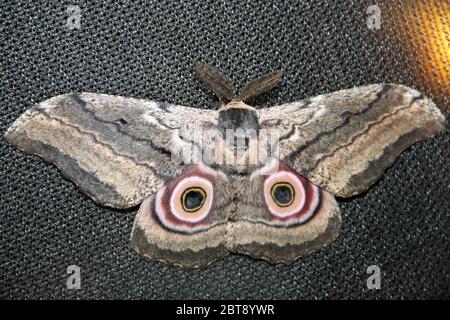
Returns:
(261, 85)
(215, 81)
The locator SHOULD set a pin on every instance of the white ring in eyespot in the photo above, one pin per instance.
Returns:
(299, 197)
(175, 199)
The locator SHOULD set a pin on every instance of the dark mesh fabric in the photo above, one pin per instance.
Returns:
(147, 51)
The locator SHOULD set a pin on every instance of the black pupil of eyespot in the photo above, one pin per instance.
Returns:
(283, 194)
(193, 199)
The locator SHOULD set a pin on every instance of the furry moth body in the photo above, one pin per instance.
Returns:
(119, 151)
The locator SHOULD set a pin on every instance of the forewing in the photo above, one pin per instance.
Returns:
(343, 141)
(117, 150)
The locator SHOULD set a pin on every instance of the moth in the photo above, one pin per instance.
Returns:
(123, 152)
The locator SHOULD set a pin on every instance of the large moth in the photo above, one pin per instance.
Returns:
(211, 182)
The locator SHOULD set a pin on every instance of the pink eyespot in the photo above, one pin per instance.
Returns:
(185, 202)
(191, 199)
(289, 197)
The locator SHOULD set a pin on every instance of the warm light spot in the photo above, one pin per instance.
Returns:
(434, 30)
(423, 29)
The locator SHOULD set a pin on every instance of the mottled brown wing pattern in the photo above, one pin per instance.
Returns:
(343, 141)
(117, 150)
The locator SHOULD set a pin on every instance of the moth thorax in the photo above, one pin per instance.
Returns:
(238, 117)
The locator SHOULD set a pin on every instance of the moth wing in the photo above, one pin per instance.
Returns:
(117, 150)
(343, 141)
(163, 230)
(281, 233)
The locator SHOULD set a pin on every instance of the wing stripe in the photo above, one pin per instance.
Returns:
(313, 166)
(107, 146)
(83, 105)
(317, 138)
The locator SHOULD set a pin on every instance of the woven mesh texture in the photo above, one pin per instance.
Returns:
(147, 51)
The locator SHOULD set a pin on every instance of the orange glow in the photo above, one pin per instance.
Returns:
(434, 30)
(423, 27)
